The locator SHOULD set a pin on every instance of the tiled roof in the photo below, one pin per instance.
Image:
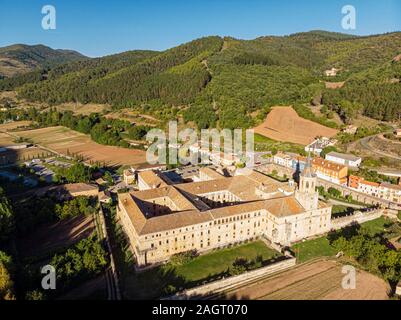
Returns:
(391, 186)
(152, 179)
(369, 183)
(328, 165)
(174, 221)
(79, 187)
(193, 211)
(212, 174)
(345, 156)
(171, 192)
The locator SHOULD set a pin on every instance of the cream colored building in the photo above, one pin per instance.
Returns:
(150, 180)
(216, 213)
(131, 175)
(390, 192)
(207, 173)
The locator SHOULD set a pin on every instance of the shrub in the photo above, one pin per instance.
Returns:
(183, 258)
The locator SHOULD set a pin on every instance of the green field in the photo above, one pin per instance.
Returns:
(384, 227)
(219, 261)
(315, 248)
(153, 283)
(262, 143)
(376, 226)
(320, 247)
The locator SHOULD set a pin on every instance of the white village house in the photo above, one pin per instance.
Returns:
(348, 160)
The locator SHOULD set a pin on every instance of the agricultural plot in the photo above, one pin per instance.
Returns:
(66, 141)
(6, 127)
(320, 280)
(133, 117)
(83, 109)
(15, 155)
(284, 124)
(56, 236)
(6, 139)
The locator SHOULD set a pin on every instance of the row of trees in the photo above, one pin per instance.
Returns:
(78, 172)
(6, 284)
(7, 228)
(102, 130)
(29, 215)
(82, 262)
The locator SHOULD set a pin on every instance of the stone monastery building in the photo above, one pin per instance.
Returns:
(162, 220)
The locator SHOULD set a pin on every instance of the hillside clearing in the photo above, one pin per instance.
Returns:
(284, 124)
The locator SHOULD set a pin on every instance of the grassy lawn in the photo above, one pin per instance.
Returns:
(320, 247)
(387, 228)
(219, 260)
(376, 226)
(310, 249)
(152, 283)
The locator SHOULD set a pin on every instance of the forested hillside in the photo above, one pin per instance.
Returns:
(18, 59)
(232, 83)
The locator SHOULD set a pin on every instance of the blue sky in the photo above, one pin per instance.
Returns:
(97, 28)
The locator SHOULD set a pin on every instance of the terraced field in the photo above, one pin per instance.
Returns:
(66, 141)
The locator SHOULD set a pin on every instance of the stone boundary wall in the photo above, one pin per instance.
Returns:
(358, 217)
(359, 196)
(281, 171)
(231, 282)
(345, 190)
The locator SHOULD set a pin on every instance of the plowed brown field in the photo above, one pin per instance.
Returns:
(63, 140)
(284, 124)
(315, 281)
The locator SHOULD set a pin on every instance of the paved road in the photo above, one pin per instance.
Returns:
(390, 172)
(364, 142)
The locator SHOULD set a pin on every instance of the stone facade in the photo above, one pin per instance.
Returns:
(216, 213)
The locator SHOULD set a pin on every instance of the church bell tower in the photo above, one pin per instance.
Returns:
(306, 194)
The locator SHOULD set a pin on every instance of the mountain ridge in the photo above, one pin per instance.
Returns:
(225, 81)
(21, 58)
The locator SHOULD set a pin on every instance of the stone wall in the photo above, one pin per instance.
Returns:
(232, 282)
(356, 195)
(281, 171)
(357, 217)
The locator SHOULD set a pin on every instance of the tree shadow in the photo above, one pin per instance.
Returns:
(347, 232)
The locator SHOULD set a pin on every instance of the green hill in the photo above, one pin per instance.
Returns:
(226, 81)
(19, 58)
